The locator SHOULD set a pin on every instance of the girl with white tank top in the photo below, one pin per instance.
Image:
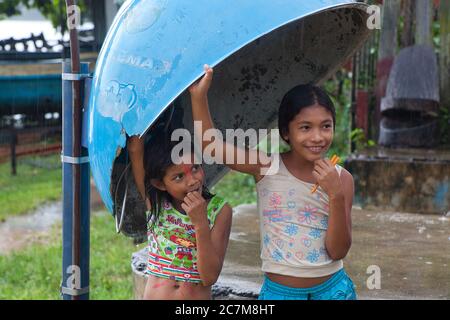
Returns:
(304, 235)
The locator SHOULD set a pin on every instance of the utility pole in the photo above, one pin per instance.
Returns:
(424, 16)
(408, 14)
(76, 184)
(386, 54)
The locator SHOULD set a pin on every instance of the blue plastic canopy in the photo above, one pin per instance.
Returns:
(156, 49)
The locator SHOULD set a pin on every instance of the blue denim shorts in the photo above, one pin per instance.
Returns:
(338, 287)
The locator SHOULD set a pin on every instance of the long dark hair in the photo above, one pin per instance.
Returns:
(157, 159)
(301, 97)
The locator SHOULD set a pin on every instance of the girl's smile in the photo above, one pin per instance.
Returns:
(316, 149)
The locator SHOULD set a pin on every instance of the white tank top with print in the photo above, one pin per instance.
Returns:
(293, 225)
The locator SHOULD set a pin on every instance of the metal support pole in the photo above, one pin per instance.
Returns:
(76, 201)
(13, 144)
(76, 184)
(355, 61)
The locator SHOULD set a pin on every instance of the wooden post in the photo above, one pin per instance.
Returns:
(353, 97)
(13, 143)
(444, 54)
(386, 55)
(388, 36)
(407, 37)
(424, 11)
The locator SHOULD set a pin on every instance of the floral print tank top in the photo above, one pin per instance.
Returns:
(293, 224)
(172, 248)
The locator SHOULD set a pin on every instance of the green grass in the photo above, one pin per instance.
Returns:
(35, 272)
(32, 186)
(237, 188)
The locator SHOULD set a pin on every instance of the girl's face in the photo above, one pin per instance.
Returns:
(180, 179)
(310, 132)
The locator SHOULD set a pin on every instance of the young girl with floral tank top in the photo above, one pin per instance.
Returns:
(188, 226)
(304, 235)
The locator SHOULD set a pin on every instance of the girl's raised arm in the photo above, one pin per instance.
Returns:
(200, 112)
(135, 147)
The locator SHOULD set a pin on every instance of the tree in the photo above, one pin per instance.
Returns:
(424, 19)
(54, 10)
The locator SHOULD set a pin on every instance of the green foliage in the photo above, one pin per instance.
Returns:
(444, 124)
(359, 138)
(9, 8)
(436, 31)
(341, 99)
(237, 188)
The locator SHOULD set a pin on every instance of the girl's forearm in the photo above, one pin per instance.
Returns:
(219, 149)
(200, 112)
(208, 261)
(338, 237)
(136, 153)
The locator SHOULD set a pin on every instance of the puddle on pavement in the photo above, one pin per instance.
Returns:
(17, 232)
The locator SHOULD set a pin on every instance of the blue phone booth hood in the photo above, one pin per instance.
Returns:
(155, 49)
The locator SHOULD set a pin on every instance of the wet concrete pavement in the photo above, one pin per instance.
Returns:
(412, 252)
